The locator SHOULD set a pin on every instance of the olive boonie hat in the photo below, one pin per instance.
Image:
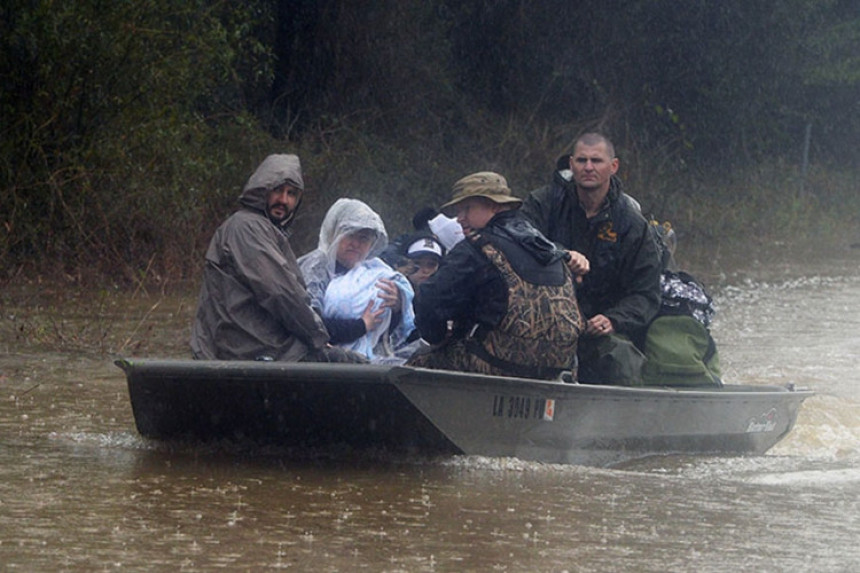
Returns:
(485, 184)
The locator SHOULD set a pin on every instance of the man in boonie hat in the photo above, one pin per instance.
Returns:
(485, 192)
(505, 288)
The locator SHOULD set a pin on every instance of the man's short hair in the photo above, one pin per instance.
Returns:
(593, 138)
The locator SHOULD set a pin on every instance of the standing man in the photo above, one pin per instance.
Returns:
(253, 303)
(613, 254)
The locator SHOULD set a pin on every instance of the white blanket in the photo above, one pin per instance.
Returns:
(347, 296)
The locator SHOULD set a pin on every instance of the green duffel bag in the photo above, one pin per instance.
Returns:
(680, 351)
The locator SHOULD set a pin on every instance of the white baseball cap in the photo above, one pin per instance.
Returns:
(424, 246)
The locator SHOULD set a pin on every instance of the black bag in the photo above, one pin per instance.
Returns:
(684, 295)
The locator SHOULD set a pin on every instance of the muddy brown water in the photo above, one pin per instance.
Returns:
(81, 491)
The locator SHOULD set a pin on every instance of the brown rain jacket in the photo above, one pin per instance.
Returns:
(253, 301)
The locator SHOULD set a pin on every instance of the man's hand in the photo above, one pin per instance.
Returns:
(578, 265)
(599, 325)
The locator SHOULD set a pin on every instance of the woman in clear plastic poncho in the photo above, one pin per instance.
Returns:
(365, 304)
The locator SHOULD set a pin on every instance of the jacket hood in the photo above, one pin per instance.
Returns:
(273, 172)
(519, 230)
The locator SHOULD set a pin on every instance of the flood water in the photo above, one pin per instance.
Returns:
(81, 491)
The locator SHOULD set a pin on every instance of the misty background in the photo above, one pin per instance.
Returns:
(127, 129)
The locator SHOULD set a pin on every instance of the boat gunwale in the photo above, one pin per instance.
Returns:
(397, 375)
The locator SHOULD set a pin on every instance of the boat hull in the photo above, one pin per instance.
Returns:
(440, 412)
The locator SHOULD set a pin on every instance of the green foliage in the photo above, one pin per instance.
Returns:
(111, 115)
(737, 76)
(128, 128)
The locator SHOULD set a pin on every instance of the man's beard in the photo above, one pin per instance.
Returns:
(283, 220)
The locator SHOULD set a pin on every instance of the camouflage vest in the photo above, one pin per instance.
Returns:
(538, 335)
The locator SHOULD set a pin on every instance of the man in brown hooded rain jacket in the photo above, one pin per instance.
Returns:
(253, 302)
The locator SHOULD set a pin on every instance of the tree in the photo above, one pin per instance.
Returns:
(100, 103)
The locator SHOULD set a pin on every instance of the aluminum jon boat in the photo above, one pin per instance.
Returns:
(425, 411)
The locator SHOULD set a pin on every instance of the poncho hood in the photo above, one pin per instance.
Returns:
(344, 217)
(348, 216)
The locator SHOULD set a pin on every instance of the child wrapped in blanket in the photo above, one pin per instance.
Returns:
(365, 304)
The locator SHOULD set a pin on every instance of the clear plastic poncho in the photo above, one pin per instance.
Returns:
(346, 295)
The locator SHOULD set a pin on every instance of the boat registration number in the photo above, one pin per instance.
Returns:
(523, 407)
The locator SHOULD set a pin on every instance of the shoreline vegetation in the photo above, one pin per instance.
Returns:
(128, 131)
(761, 214)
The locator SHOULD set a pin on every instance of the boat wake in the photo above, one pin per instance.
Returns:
(817, 478)
(118, 440)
